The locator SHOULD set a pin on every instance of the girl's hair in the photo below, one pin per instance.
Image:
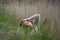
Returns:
(21, 23)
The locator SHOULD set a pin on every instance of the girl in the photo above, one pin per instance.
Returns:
(32, 21)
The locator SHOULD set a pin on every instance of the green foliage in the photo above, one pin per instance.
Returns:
(6, 18)
(9, 25)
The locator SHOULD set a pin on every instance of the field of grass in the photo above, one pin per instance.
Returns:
(9, 29)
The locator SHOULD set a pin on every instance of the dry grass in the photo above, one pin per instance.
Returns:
(45, 9)
(25, 10)
(9, 25)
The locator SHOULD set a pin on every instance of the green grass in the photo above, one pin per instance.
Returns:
(9, 25)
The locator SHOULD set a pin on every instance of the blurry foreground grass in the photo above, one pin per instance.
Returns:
(9, 25)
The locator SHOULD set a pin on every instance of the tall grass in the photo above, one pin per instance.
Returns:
(9, 25)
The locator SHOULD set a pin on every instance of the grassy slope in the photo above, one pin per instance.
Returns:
(8, 29)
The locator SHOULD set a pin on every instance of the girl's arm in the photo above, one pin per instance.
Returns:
(36, 16)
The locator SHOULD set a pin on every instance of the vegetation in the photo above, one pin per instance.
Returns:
(9, 29)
